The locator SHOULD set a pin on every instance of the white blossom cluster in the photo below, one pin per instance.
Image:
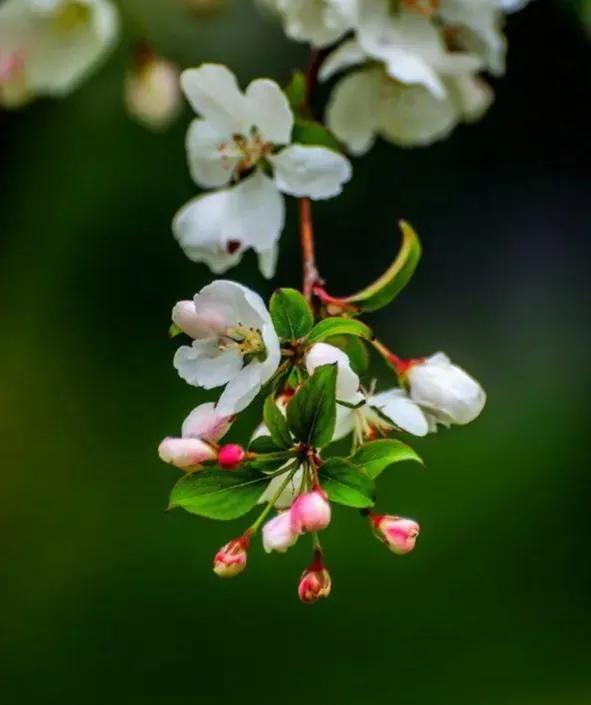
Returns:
(415, 64)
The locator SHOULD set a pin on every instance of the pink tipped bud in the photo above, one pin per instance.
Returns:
(185, 452)
(230, 560)
(310, 512)
(315, 582)
(278, 535)
(398, 533)
(231, 456)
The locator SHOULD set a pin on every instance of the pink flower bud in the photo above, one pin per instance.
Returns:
(310, 512)
(231, 558)
(315, 581)
(231, 456)
(278, 535)
(398, 533)
(185, 452)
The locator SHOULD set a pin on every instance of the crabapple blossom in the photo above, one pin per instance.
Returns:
(186, 452)
(449, 393)
(315, 582)
(231, 456)
(278, 534)
(51, 45)
(152, 90)
(235, 344)
(231, 559)
(398, 533)
(310, 512)
(238, 138)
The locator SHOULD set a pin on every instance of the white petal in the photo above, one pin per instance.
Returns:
(268, 261)
(472, 96)
(317, 172)
(345, 422)
(347, 54)
(214, 93)
(352, 112)
(225, 304)
(270, 111)
(210, 162)
(286, 498)
(204, 365)
(402, 411)
(241, 389)
(347, 381)
(206, 422)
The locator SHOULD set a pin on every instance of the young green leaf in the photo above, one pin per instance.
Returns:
(218, 494)
(339, 326)
(311, 414)
(376, 456)
(310, 132)
(355, 349)
(395, 278)
(296, 90)
(291, 314)
(347, 484)
(276, 423)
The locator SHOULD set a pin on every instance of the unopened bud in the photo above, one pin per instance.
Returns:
(230, 560)
(278, 535)
(310, 512)
(152, 90)
(185, 452)
(398, 533)
(231, 456)
(315, 582)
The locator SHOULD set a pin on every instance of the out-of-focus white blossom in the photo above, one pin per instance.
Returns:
(51, 45)
(235, 345)
(240, 136)
(152, 91)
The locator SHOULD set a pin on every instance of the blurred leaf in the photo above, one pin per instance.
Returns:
(339, 326)
(310, 132)
(347, 484)
(218, 494)
(395, 278)
(276, 423)
(311, 414)
(376, 456)
(296, 90)
(291, 314)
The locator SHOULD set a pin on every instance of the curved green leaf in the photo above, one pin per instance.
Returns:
(347, 484)
(311, 414)
(339, 326)
(276, 423)
(310, 132)
(291, 314)
(376, 456)
(218, 494)
(395, 278)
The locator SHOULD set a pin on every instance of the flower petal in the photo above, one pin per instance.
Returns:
(206, 422)
(210, 163)
(402, 411)
(204, 365)
(270, 111)
(317, 172)
(347, 381)
(347, 54)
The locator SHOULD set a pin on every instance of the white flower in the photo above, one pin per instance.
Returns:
(239, 133)
(235, 344)
(320, 22)
(152, 92)
(207, 423)
(445, 390)
(57, 42)
(277, 533)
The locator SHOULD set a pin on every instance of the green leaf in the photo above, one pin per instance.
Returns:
(376, 456)
(264, 445)
(218, 494)
(355, 349)
(339, 326)
(276, 423)
(291, 314)
(347, 484)
(174, 330)
(296, 90)
(395, 278)
(311, 414)
(311, 132)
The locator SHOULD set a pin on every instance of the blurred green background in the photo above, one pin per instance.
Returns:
(105, 598)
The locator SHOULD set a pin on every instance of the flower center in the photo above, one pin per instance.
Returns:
(422, 7)
(247, 149)
(369, 425)
(12, 66)
(247, 340)
(71, 15)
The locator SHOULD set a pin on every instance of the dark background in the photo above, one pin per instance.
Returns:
(105, 598)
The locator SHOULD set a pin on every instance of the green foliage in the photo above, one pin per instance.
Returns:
(355, 349)
(276, 423)
(291, 314)
(395, 278)
(296, 90)
(347, 484)
(329, 327)
(376, 456)
(219, 494)
(311, 414)
(310, 132)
